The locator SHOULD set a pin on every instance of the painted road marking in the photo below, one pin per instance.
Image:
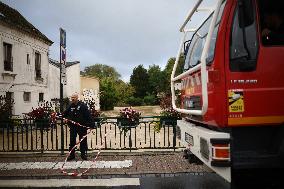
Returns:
(68, 165)
(70, 182)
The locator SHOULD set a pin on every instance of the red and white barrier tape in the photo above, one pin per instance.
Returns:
(54, 116)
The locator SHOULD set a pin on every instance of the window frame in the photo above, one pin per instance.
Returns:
(27, 97)
(253, 62)
(38, 73)
(28, 59)
(193, 42)
(8, 64)
(40, 98)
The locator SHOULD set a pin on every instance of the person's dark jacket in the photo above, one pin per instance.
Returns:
(79, 113)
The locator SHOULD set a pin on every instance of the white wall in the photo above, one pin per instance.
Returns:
(54, 82)
(73, 80)
(23, 75)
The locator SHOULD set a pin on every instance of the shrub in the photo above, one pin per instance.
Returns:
(44, 111)
(6, 106)
(166, 102)
(150, 100)
(133, 101)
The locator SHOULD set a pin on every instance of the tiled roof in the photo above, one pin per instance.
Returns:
(57, 64)
(12, 18)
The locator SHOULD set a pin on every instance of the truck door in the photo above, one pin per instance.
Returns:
(254, 70)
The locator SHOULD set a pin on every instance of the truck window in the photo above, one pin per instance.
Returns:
(196, 45)
(243, 42)
(271, 22)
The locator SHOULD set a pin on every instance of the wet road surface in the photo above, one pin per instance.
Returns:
(149, 181)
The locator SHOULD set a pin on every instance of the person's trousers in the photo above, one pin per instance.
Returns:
(74, 130)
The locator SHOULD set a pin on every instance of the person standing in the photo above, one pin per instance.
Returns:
(79, 113)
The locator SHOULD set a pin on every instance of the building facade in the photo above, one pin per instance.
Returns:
(24, 64)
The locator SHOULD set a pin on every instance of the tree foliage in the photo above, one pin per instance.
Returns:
(6, 106)
(113, 91)
(144, 88)
(108, 91)
(168, 71)
(140, 81)
(101, 71)
(156, 79)
(125, 91)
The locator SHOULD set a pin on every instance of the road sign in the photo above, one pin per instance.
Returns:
(63, 74)
(62, 55)
(62, 38)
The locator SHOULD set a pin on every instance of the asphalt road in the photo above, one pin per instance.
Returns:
(185, 181)
(164, 181)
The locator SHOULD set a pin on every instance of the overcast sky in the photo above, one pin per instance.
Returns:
(118, 33)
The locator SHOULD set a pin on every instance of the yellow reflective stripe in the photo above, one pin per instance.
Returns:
(255, 120)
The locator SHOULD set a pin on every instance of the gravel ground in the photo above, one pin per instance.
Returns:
(142, 163)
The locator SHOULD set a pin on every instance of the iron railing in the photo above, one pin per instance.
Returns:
(22, 135)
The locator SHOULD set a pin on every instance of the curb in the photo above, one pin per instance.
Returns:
(103, 153)
(111, 175)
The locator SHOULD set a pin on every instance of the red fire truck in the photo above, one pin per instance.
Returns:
(231, 93)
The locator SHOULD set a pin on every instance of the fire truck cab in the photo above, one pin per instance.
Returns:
(232, 89)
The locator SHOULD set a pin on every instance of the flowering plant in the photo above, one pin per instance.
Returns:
(128, 118)
(95, 113)
(98, 117)
(169, 116)
(130, 114)
(42, 112)
(170, 112)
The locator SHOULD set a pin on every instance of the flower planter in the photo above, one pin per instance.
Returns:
(126, 123)
(169, 121)
(41, 123)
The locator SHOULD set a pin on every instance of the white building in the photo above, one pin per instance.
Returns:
(24, 62)
(27, 75)
(72, 76)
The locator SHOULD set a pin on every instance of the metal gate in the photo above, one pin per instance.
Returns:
(38, 136)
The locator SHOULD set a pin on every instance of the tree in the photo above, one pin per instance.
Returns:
(140, 81)
(101, 71)
(125, 91)
(155, 79)
(157, 84)
(168, 71)
(108, 97)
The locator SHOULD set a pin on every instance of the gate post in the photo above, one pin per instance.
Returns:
(174, 136)
(62, 136)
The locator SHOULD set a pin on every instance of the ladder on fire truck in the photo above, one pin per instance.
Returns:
(202, 65)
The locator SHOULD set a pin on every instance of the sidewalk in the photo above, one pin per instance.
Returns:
(108, 165)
